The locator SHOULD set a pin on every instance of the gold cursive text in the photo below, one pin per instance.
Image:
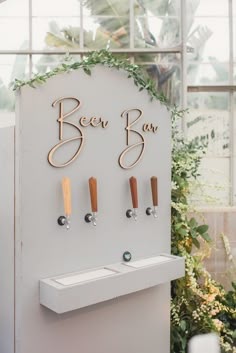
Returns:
(129, 130)
(61, 120)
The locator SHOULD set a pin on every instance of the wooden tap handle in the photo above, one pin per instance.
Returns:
(93, 194)
(134, 191)
(154, 190)
(66, 195)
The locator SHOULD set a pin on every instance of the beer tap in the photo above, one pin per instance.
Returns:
(92, 217)
(134, 195)
(66, 190)
(154, 188)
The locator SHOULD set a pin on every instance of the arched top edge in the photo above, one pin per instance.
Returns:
(94, 58)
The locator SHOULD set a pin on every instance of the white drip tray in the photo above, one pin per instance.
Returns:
(77, 290)
(148, 262)
(84, 277)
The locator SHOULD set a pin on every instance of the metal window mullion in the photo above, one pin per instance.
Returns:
(232, 146)
(81, 26)
(232, 125)
(30, 38)
(131, 23)
(85, 51)
(215, 88)
(184, 62)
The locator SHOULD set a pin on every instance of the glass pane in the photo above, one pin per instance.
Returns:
(209, 39)
(13, 8)
(100, 32)
(208, 120)
(111, 8)
(56, 8)
(56, 32)
(165, 70)
(45, 63)
(10, 37)
(235, 73)
(157, 8)
(234, 7)
(210, 8)
(11, 67)
(161, 32)
(234, 36)
(212, 73)
(213, 186)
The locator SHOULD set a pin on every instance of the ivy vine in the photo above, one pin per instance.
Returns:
(102, 57)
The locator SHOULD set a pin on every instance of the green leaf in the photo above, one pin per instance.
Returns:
(196, 243)
(31, 84)
(194, 234)
(183, 325)
(202, 229)
(206, 236)
(182, 232)
(87, 70)
(192, 222)
(178, 225)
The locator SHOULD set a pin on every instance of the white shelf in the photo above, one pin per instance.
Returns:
(77, 290)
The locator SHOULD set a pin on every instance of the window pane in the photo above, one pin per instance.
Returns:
(56, 32)
(45, 63)
(156, 23)
(208, 119)
(160, 32)
(55, 8)
(234, 153)
(12, 8)
(11, 67)
(211, 8)
(234, 7)
(100, 32)
(235, 73)
(157, 8)
(106, 24)
(164, 69)
(112, 8)
(209, 38)
(234, 36)
(211, 73)
(214, 186)
(11, 38)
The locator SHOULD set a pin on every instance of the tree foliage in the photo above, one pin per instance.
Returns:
(199, 304)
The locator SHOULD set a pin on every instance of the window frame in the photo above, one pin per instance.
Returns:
(181, 49)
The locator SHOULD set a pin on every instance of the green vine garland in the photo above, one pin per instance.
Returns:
(102, 57)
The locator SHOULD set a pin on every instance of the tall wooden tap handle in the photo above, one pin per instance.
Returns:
(66, 195)
(154, 190)
(93, 194)
(134, 191)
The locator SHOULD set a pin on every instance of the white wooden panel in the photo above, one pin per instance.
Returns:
(7, 240)
(44, 249)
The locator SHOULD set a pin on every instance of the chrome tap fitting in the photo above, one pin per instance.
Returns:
(91, 218)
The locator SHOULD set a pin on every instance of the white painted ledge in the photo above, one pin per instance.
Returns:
(77, 290)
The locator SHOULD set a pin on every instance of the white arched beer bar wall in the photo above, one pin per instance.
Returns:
(51, 301)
